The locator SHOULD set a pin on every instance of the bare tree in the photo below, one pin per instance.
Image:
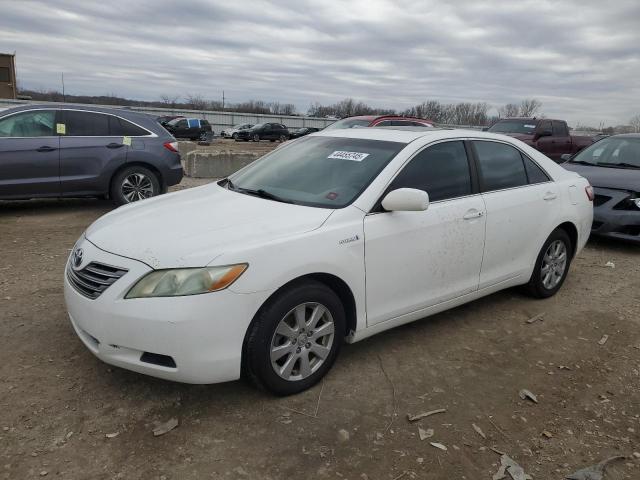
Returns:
(195, 102)
(635, 123)
(169, 100)
(509, 110)
(529, 107)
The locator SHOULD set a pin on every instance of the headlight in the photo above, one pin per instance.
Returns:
(186, 281)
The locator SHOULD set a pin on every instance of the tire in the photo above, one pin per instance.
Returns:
(283, 138)
(235, 136)
(203, 137)
(256, 137)
(555, 259)
(276, 327)
(272, 140)
(134, 183)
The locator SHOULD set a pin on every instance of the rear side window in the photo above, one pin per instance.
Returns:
(35, 123)
(441, 170)
(501, 166)
(86, 124)
(534, 172)
(121, 127)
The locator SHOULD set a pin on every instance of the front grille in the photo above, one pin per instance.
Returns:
(94, 279)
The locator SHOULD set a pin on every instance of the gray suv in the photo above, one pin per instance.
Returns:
(71, 151)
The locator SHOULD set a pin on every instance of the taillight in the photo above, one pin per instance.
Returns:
(171, 146)
(589, 191)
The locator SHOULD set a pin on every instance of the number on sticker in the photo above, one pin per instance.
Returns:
(353, 156)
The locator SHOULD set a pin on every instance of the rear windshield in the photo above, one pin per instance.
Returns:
(526, 127)
(318, 171)
(349, 123)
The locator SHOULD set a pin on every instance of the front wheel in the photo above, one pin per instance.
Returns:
(134, 183)
(234, 136)
(256, 138)
(295, 338)
(283, 138)
(552, 265)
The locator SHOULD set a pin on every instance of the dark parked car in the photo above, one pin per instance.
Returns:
(301, 132)
(264, 131)
(551, 137)
(612, 166)
(191, 128)
(380, 121)
(71, 151)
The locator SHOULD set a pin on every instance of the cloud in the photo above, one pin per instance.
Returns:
(579, 58)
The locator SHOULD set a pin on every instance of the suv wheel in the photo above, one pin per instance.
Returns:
(283, 138)
(295, 338)
(256, 137)
(202, 137)
(552, 265)
(133, 184)
(234, 136)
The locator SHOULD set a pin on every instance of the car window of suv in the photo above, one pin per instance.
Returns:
(441, 170)
(545, 126)
(34, 123)
(501, 166)
(559, 129)
(119, 126)
(86, 124)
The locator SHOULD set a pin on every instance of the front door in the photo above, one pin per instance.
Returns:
(89, 154)
(29, 155)
(418, 259)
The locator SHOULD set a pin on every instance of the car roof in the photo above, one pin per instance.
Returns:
(122, 112)
(627, 135)
(409, 134)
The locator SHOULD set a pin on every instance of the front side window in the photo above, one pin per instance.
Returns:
(559, 129)
(4, 75)
(86, 124)
(317, 171)
(501, 166)
(34, 123)
(545, 127)
(441, 170)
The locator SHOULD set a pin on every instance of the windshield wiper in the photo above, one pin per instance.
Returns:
(581, 162)
(618, 165)
(260, 192)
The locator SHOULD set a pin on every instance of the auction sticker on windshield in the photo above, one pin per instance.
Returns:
(354, 156)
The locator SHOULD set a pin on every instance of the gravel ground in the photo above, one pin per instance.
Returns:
(64, 414)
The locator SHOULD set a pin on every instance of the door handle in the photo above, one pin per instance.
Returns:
(472, 215)
(550, 196)
(46, 148)
(115, 145)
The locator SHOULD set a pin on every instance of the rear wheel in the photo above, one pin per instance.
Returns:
(283, 138)
(134, 183)
(552, 265)
(256, 137)
(234, 136)
(295, 339)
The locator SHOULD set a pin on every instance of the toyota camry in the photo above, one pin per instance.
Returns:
(329, 239)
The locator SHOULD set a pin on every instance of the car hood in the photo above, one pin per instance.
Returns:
(192, 227)
(605, 177)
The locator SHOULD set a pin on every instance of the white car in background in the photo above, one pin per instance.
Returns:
(337, 236)
(232, 132)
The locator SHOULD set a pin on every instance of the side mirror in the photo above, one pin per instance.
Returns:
(406, 200)
(565, 157)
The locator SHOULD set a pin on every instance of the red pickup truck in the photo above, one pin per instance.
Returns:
(551, 137)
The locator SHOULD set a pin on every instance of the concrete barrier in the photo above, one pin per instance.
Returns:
(216, 164)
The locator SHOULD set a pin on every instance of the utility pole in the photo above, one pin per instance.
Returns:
(222, 100)
(64, 97)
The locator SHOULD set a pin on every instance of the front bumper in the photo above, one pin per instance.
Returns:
(201, 334)
(609, 222)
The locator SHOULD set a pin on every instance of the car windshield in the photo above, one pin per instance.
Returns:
(349, 123)
(526, 127)
(612, 152)
(323, 172)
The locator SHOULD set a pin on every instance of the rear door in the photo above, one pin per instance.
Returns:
(521, 204)
(89, 154)
(29, 154)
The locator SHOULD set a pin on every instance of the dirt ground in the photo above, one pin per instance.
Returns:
(64, 414)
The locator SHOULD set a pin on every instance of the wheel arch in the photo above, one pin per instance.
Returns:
(572, 231)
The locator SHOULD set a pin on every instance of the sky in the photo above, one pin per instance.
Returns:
(580, 58)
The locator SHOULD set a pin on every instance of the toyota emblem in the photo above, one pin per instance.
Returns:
(77, 257)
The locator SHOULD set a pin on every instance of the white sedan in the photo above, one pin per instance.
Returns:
(331, 238)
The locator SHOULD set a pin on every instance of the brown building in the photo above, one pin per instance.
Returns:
(7, 75)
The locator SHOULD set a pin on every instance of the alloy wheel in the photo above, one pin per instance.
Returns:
(302, 341)
(137, 187)
(554, 264)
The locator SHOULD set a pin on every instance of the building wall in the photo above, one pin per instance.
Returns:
(7, 76)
